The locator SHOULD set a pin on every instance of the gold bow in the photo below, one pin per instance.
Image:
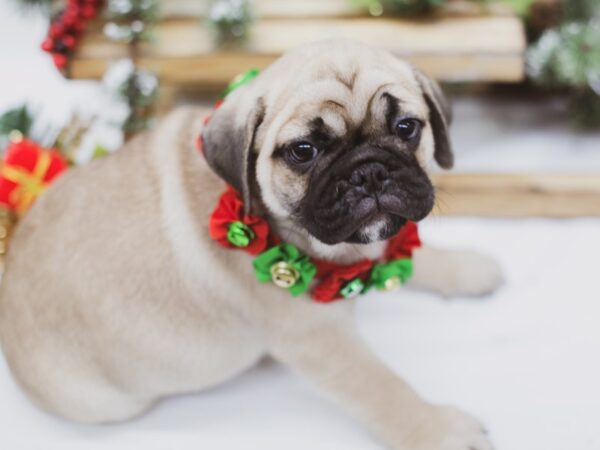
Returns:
(29, 184)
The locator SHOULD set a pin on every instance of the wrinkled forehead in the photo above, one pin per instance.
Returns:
(344, 99)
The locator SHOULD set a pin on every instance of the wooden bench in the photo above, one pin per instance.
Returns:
(463, 42)
(456, 45)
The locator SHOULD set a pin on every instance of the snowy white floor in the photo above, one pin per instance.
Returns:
(526, 360)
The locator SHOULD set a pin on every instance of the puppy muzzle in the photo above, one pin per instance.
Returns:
(365, 189)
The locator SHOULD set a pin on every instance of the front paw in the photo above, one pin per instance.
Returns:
(473, 274)
(447, 428)
(456, 273)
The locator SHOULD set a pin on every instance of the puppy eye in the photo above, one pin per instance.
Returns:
(302, 152)
(408, 129)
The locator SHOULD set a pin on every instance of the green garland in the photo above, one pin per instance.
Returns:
(568, 57)
(15, 120)
(131, 22)
(400, 7)
(230, 21)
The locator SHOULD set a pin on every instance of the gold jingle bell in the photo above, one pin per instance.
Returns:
(284, 275)
(392, 283)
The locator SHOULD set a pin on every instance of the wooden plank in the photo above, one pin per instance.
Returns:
(320, 8)
(213, 72)
(267, 8)
(450, 49)
(444, 36)
(518, 195)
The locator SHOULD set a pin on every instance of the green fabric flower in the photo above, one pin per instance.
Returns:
(285, 266)
(240, 80)
(353, 288)
(388, 275)
(239, 234)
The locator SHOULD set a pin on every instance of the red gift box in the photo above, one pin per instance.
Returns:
(26, 172)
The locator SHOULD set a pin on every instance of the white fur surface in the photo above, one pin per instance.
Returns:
(524, 361)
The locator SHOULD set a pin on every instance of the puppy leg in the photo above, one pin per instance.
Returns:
(322, 345)
(454, 273)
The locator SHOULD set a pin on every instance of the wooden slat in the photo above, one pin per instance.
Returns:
(487, 36)
(518, 195)
(319, 8)
(213, 72)
(267, 8)
(450, 49)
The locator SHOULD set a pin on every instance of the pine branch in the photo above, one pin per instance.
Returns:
(17, 119)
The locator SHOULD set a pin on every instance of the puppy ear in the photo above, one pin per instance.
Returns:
(440, 116)
(228, 145)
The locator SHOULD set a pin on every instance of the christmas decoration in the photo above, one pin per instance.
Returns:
(231, 228)
(388, 276)
(26, 172)
(29, 168)
(137, 89)
(568, 56)
(66, 28)
(399, 7)
(240, 80)
(14, 124)
(345, 282)
(130, 22)
(230, 21)
(287, 267)
(337, 282)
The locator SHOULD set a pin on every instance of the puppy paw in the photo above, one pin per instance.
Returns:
(452, 273)
(473, 275)
(447, 428)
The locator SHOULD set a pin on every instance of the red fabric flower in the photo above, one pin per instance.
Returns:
(334, 278)
(403, 244)
(230, 209)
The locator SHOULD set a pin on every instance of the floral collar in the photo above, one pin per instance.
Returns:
(287, 267)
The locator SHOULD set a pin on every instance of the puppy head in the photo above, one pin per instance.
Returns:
(335, 137)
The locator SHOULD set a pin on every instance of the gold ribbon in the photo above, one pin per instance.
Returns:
(29, 184)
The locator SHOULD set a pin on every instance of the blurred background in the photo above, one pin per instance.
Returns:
(80, 77)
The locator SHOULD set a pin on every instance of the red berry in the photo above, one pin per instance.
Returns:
(78, 27)
(89, 11)
(71, 16)
(69, 41)
(60, 60)
(56, 30)
(48, 44)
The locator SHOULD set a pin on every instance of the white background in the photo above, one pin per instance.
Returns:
(525, 360)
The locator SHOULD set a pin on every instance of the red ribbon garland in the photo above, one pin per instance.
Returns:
(332, 277)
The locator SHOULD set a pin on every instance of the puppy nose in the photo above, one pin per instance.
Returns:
(370, 176)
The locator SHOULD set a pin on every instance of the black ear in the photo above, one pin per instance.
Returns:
(440, 116)
(228, 144)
